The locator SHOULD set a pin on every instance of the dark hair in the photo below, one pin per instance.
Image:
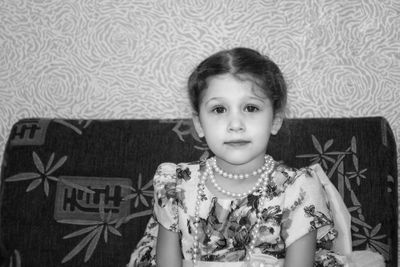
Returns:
(243, 63)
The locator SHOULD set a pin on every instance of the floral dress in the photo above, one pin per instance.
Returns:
(295, 204)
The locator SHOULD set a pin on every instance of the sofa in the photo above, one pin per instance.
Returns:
(79, 192)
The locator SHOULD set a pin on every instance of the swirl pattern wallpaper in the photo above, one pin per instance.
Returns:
(131, 58)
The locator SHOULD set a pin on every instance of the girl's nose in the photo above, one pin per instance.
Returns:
(236, 124)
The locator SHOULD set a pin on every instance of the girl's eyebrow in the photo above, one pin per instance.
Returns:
(213, 99)
(258, 98)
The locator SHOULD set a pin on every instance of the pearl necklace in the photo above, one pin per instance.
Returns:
(263, 181)
(267, 162)
(266, 168)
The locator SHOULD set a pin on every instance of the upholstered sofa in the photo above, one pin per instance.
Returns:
(79, 192)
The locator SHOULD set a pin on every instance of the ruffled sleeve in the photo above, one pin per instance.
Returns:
(305, 207)
(165, 196)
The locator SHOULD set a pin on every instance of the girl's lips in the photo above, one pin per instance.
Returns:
(236, 143)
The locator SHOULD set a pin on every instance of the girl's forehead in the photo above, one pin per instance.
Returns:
(232, 85)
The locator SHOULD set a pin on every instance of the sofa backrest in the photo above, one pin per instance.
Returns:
(79, 192)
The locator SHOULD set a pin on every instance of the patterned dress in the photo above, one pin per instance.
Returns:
(295, 204)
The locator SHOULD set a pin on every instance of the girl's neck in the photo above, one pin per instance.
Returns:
(244, 168)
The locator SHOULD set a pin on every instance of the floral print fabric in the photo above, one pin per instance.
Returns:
(295, 205)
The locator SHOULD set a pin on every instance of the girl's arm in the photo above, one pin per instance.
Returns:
(301, 253)
(168, 251)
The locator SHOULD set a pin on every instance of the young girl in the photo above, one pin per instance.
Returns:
(240, 207)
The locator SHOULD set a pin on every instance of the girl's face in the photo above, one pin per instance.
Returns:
(236, 119)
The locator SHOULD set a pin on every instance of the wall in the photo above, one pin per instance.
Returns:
(130, 59)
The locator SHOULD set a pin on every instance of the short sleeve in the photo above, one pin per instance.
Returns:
(165, 196)
(305, 207)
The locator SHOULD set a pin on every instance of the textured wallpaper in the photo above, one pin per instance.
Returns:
(130, 59)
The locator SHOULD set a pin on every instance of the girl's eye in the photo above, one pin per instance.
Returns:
(251, 108)
(219, 110)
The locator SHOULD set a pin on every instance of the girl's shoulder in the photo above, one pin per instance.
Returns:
(292, 177)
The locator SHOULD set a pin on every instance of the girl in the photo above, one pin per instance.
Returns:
(240, 207)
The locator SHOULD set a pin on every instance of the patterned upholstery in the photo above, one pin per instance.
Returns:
(79, 193)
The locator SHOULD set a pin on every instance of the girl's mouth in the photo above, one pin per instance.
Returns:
(237, 143)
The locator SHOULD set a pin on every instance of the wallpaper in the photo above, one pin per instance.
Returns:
(131, 59)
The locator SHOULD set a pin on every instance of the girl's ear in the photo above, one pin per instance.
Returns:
(197, 125)
(277, 123)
